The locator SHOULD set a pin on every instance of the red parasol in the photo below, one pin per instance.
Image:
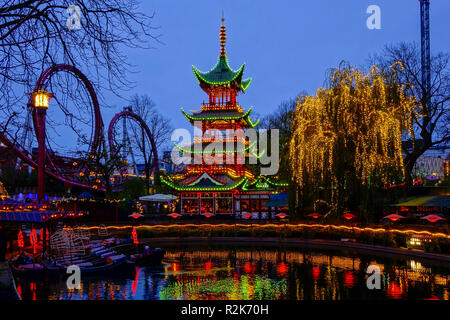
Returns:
(314, 215)
(135, 215)
(433, 218)
(281, 215)
(349, 216)
(394, 217)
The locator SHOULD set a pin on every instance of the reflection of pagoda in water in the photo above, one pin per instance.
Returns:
(219, 182)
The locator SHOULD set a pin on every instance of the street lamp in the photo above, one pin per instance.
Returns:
(41, 99)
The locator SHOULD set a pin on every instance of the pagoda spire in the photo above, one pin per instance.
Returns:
(223, 37)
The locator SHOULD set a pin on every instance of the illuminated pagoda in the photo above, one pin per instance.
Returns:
(219, 182)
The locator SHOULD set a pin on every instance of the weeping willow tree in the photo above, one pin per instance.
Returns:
(347, 139)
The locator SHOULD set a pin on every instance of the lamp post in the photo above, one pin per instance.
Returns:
(41, 99)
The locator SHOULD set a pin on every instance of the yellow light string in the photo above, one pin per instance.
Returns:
(364, 114)
(272, 225)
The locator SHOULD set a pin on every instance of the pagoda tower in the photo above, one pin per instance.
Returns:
(218, 182)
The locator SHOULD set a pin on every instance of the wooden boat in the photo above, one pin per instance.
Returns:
(141, 254)
(28, 270)
(148, 258)
(94, 264)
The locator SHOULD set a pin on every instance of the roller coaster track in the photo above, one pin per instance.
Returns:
(52, 169)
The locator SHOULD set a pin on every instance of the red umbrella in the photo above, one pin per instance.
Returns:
(281, 215)
(174, 215)
(349, 216)
(314, 215)
(207, 215)
(433, 218)
(247, 215)
(394, 217)
(136, 215)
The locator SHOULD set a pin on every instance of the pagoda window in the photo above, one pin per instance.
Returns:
(190, 203)
(245, 205)
(207, 203)
(224, 203)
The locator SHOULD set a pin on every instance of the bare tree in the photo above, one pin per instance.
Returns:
(159, 126)
(431, 125)
(37, 34)
(104, 163)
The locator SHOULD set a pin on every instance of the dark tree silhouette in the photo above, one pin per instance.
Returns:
(35, 34)
(159, 126)
(431, 124)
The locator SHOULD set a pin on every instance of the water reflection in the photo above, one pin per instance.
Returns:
(253, 274)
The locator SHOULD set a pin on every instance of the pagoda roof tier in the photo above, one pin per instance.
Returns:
(222, 74)
(262, 183)
(231, 171)
(222, 115)
(191, 149)
(205, 182)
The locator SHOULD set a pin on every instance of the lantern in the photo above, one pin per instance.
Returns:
(135, 236)
(34, 239)
(42, 232)
(41, 99)
(20, 242)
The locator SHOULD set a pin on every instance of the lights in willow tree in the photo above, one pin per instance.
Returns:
(351, 131)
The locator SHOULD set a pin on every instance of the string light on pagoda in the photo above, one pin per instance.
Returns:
(223, 38)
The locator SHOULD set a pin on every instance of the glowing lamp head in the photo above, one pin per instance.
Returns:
(41, 99)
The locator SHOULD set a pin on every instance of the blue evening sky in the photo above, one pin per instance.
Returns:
(288, 46)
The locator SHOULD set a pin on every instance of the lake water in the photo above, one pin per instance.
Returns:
(201, 273)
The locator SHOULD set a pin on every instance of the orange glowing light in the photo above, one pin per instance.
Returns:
(272, 225)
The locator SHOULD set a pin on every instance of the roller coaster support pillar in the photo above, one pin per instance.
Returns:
(41, 154)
